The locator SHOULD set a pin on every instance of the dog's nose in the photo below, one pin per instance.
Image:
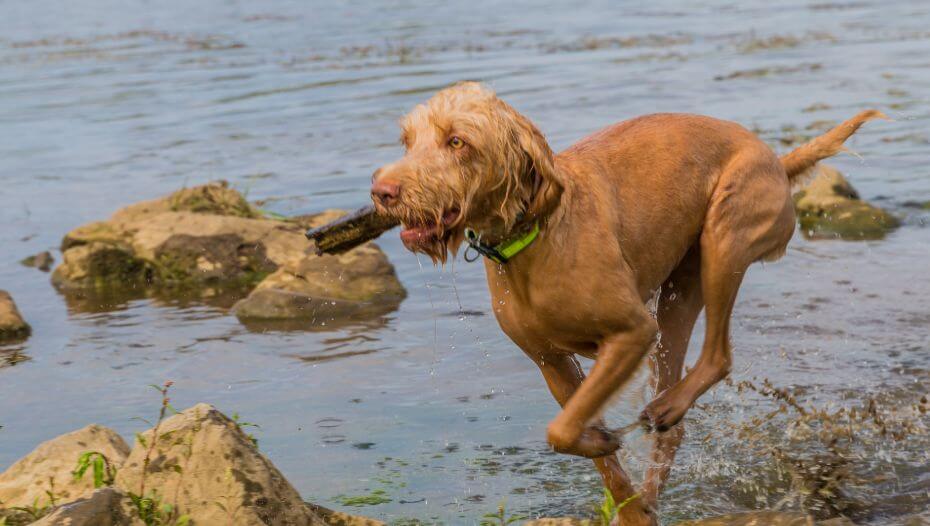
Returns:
(385, 192)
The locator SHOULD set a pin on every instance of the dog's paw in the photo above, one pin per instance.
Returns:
(665, 411)
(594, 442)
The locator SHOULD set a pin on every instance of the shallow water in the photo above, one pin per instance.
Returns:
(108, 103)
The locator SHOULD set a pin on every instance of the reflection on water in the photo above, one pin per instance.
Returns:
(295, 105)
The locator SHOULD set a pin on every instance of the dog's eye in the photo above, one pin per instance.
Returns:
(456, 143)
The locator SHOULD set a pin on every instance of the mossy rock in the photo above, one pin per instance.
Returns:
(102, 265)
(849, 220)
(215, 198)
(830, 208)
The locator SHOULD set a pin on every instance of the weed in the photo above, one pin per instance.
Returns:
(609, 508)
(240, 424)
(104, 471)
(500, 518)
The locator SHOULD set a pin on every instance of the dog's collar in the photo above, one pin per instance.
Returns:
(500, 253)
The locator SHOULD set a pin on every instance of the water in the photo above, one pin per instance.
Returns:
(107, 103)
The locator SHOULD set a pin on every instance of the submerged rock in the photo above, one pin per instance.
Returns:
(830, 208)
(48, 468)
(42, 261)
(12, 324)
(209, 237)
(204, 465)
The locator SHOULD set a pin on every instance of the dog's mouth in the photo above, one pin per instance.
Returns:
(423, 235)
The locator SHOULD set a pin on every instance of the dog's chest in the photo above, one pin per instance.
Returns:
(541, 323)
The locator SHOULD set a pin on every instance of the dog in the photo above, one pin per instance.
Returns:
(671, 206)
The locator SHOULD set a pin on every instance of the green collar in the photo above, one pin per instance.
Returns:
(502, 252)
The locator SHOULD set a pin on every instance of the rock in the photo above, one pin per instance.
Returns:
(42, 261)
(209, 237)
(12, 325)
(206, 467)
(202, 235)
(103, 507)
(323, 288)
(48, 467)
(829, 207)
(359, 283)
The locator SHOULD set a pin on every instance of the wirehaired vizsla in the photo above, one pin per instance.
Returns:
(671, 204)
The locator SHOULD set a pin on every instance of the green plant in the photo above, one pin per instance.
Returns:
(609, 508)
(104, 471)
(151, 508)
(500, 518)
(240, 424)
(34, 510)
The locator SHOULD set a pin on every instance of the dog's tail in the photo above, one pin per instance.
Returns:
(804, 157)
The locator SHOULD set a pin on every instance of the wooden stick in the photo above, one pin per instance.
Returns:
(350, 231)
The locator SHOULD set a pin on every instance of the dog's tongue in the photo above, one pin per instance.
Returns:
(426, 233)
(415, 234)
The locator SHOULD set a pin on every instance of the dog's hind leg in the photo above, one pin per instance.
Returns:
(679, 305)
(563, 375)
(750, 218)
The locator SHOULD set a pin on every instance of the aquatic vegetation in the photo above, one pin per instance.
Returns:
(765, 72)
(373, 498)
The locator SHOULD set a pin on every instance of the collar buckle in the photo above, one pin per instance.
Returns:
(474, 243)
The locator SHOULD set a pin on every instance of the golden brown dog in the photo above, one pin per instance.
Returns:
(669, 204)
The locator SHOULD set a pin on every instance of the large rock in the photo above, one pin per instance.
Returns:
(202, 235)
(209, 469)
(12, 325)
(829, 207)
(104, 507)
(207, 237)
(48, 467)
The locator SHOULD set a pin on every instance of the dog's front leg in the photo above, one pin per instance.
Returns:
(563, 375)
(617, 358)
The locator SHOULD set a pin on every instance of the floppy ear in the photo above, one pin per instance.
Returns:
(546, 183)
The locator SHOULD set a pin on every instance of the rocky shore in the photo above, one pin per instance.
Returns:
(196, 467)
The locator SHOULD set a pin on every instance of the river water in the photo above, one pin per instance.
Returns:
(431, 409)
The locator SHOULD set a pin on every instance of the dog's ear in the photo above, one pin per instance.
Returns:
(545, 182)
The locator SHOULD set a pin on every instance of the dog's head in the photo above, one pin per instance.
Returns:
(471, 161)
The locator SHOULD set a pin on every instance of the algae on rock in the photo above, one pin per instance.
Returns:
(830, 208)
